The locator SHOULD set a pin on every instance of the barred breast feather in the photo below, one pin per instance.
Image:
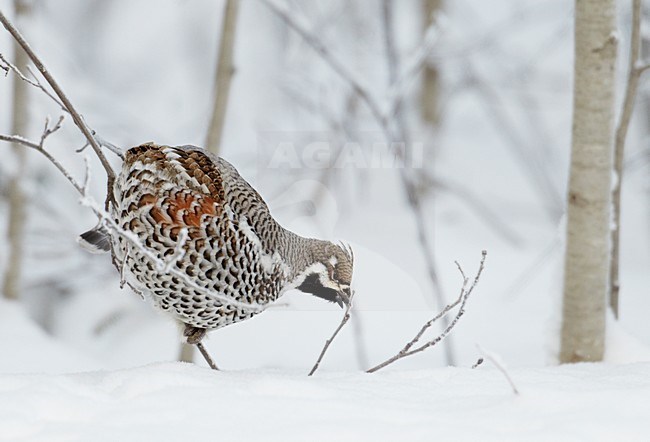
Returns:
(165, 192)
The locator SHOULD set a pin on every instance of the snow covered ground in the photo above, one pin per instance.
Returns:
(176, 401)
(49, 392)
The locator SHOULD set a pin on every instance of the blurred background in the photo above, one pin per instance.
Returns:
(477, 100)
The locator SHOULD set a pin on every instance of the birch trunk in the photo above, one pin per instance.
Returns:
(224, 73)
(586, 271)
(16, 199)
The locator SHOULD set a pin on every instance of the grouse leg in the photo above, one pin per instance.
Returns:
(206, 356)
(194, 336)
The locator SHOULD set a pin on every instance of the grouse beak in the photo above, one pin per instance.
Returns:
(343, 298)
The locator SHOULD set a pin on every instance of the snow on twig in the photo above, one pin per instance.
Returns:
(40, 147)
(8, 66)
(63, 100)
(408, 349)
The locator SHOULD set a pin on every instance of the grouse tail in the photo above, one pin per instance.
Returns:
(97, 240)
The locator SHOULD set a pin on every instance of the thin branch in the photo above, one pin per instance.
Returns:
(344, 320)
(461, 301)
(400, 133)
(35, 82)
(86, 184)
(110, 146)
(635, 68)
(76, 117)
(39, 146)
(496, 360)
(303, 29)
(47, 131)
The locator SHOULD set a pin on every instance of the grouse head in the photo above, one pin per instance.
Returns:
(330, 276)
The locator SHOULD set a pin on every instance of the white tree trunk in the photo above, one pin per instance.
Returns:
(16, 198)
(587, 256)
(224, 72)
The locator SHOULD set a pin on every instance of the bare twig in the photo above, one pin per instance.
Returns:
(304, 30)
(76, 117)
(400, 133)
(344, 320)
(408, 349)
(86, 184)
(108, 145)
(35, 82)
(39, 146)
(496, 360)
(636, 67)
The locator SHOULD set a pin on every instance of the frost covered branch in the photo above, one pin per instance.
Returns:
(344, 320)
(64, 101)
(408, 349)
(7, 66)
(39, 146)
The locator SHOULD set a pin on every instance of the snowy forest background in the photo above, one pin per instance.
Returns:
(494, 130)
